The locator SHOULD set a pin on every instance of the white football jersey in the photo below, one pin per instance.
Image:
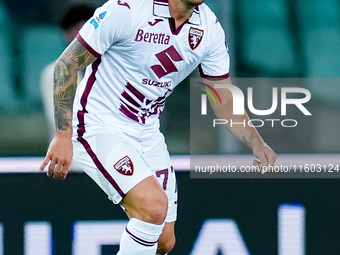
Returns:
(141, 59)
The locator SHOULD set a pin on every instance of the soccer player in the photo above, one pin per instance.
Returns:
(136, 52)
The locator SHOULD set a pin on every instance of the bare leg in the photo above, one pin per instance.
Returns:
(167, 239)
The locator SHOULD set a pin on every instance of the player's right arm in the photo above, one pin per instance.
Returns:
(247, 134)
(59, 154)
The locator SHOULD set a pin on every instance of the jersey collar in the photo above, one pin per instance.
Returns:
(161, 8)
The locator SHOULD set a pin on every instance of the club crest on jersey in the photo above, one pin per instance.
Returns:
(195, 37)
(124, 166)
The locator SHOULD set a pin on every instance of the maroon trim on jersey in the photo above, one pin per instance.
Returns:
(139, 110)
(204, 76)
(124, 109)
(130, 99)
(172, 24)
(134, 91)
(81, 128)
(139, 240)
(164, 11)
(162, 1)
(88, 47)
(127, 110)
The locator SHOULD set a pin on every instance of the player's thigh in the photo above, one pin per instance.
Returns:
(113, 161)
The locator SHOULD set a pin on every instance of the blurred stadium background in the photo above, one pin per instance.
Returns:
(267, 38)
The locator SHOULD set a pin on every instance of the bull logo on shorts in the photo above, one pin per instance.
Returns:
(195, 37)
(124, 166)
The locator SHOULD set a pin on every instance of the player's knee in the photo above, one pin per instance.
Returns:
(147, 201)
(156, 209)
(165, 245)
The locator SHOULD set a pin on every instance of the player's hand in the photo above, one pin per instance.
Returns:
(58, 156)
(264, 154)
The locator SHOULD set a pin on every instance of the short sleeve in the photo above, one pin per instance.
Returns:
(111, 23)
(216, 63)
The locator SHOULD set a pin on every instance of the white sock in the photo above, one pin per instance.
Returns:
(140, 238)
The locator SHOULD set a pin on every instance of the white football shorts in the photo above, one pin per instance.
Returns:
(117, 162)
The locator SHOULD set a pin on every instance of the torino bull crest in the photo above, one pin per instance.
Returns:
(195, 37)
(124, 166)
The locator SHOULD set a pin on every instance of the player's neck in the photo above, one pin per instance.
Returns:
(180, 11)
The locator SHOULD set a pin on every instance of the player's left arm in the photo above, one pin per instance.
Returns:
(247, 134)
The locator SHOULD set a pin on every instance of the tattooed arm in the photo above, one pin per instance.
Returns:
(247, 134)
(59, 153)
(73, 59)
